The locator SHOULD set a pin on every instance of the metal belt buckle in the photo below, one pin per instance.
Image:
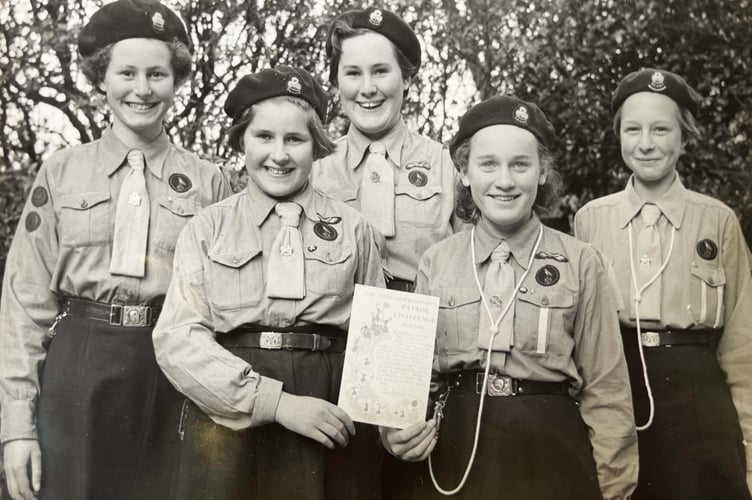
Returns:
(498, 385)
(135, 316)
(650, 339)
(270, 340)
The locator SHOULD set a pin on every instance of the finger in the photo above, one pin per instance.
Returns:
(36, 470)
(322, 438)
(20, 479)
(419, 451)
(345, 419)
(334, 433)
(426, 429)
(431, 447)
(407, 434)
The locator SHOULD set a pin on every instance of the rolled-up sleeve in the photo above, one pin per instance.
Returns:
(605, 397)
(220, 383)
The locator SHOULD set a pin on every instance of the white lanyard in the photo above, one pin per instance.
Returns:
(494, 331)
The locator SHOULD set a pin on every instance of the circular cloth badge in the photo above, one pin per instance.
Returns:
(707, 249)
(417, 178)
(325, 231)
(33, 220)
(180, 183)
(39, 196)
(547, 275)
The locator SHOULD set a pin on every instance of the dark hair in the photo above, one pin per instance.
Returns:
(547, 198)
(342, 30)
(687, 124)
(322, 144)
(95, 66)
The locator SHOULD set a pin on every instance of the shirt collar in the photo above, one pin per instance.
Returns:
(671, 204)
(357, 144)
(115, 151)
(520, 243)
(262, 204)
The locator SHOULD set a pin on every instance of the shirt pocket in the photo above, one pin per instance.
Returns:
(418, 206)
(329, 269)
(544, 323)
(706, 291)
(458, 320)
(173, 213)
(85, 219)
(235, 280)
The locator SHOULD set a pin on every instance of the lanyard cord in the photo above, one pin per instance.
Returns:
(494, 331)
(637, 298)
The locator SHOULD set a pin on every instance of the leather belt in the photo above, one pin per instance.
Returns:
(503, 385)
(303, 338)
(668, 338)
(114, 314)
(400, 284)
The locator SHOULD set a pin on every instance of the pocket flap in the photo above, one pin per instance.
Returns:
(418, 192)
(450, 298)
(83, 201)
(713, 276)
(339, 192)
(234, 259)
(328, 254)
(548, 298)
(184, 207)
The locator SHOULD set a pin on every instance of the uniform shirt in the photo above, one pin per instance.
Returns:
(565, 329)
(219, 284)
(706, 283)
(63, 245)
(423, 214)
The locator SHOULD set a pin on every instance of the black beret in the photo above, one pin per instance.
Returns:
(267, 83)
(384, 23)
(657, 81)
(130, 19)
(504, 110)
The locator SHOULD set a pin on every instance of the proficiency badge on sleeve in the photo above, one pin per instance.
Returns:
(547, 275)
(707, 249)
(417, 178)
(33, 221)
(180, 183)
(324, 229)
(39, 196)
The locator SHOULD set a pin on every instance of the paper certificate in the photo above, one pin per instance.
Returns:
(390, 345)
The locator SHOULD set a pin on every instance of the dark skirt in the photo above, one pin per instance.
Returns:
(534, 447)
(271, 462)
(694, 448)
(104, 414)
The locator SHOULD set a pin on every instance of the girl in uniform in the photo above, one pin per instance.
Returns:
(532, 394)
(402, 182)
(87, 273)
(684, 274)
(254, 324)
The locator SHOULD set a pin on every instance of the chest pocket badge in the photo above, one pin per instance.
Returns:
(707, 249)
(325, 229)
(180, 183)
(547, 275)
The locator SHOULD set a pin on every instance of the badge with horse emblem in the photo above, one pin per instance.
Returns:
(33, 221)
(417, 178)
(39, 196)
(547, 275)
(324, 228)
(707, 249)
(180, 183)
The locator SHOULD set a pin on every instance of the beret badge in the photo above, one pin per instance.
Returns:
(376, 18)
(293, 85)
(657, 82)
(157, 23)
(520, 115)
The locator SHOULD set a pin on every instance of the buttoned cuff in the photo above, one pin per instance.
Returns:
(268, 394)
(18, 420)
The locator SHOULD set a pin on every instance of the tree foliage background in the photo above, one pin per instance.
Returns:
(565, 55)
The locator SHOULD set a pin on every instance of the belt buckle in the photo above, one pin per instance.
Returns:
(650, 339)
(135, 316)
(270, 340)
(498, 385)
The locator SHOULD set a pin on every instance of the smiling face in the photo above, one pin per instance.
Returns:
(503, 173)
(651, 140)
(371, 87)
(278, 147)
(140, 88)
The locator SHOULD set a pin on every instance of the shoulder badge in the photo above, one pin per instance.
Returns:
(180, 183)
(547, 275)
(707, 249)
(39, 196)
(33, 221)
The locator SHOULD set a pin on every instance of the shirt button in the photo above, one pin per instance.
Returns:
(328, 257)
(711, 281)
(234, 260)
(84, 204)
(544, 301)
(523, 289)
(312, 248)
(451, 301)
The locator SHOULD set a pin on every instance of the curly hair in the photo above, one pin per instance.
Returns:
(95, 66)
(322, 144)
(547, 199)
